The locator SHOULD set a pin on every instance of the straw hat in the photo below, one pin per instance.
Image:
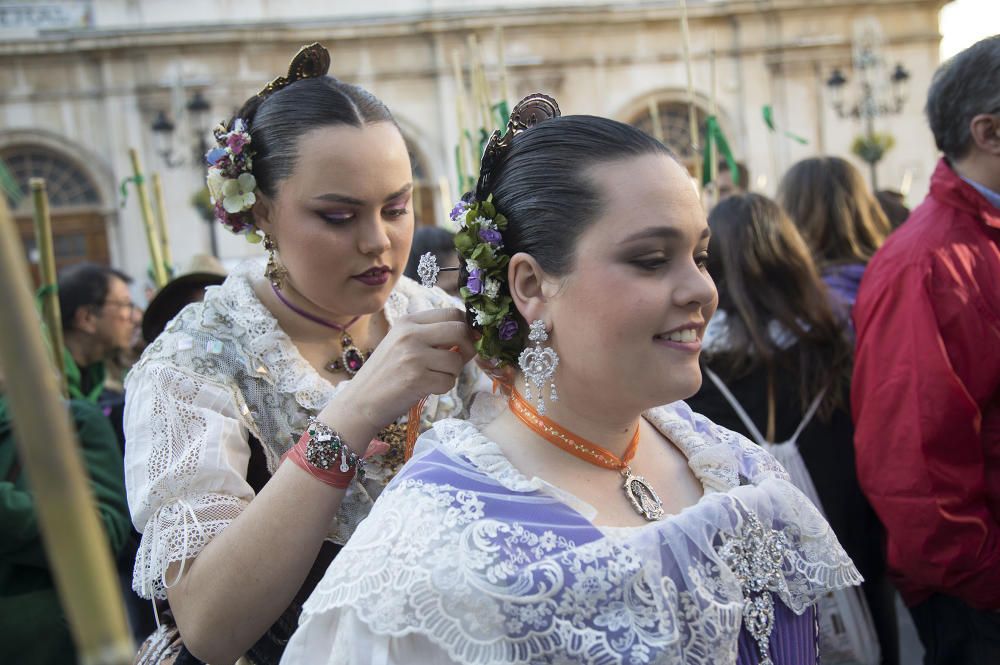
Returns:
(203, 271)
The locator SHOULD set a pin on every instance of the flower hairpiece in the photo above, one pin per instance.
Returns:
(230, 179)
(479, 242)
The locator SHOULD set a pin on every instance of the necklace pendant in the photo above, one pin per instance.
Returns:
(644, 499)
(351, 357)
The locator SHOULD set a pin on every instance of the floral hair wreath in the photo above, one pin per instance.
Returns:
(230, 180)
(479, 242)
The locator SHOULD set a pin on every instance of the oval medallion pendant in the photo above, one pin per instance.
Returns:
(644, 499)
(351, 357)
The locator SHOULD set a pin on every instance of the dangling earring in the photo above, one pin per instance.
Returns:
(274, 272)
(538, 364)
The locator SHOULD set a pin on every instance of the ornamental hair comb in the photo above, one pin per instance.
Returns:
(528, 112)
(310, 62)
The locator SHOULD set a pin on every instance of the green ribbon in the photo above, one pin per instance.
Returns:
(123, 188)
(10, 186)
(768, 113)
(43, 291)
(714, 136)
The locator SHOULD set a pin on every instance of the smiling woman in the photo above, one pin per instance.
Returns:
(233, 512)
(518, 542)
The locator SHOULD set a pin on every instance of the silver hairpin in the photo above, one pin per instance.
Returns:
(428, 269)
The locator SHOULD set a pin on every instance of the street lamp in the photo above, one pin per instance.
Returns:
(871, 102)
(198, 110)
(198, 122)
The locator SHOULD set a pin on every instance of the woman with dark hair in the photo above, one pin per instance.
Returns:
(230, 534)
(779, 368)
(839, 218)
(586, 523)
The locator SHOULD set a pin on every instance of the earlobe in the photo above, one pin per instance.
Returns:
(262, 213)
(985, 130)
(526, 280)
(85, 320)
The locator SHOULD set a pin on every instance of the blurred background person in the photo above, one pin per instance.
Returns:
(99, 321)
(204, 271)
(926, 386)
(33, 629)
(893, 205)
(727, 184)
(841, 221)
(779, 366)
(441, 243)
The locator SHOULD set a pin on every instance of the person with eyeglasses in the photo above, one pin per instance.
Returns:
(100, 323)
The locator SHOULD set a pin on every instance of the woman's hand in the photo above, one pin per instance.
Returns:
(423, 354)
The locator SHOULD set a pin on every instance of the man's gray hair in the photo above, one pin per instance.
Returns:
(963, 87)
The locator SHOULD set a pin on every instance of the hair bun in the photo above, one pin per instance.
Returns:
(527, 113)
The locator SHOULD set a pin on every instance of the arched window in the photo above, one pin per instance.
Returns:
(79, 232)
(67, 185)
(675, 126)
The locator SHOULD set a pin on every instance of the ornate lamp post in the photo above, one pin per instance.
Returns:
(198, 115)
(872, 101)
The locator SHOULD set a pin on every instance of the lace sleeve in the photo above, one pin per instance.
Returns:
(186, 459)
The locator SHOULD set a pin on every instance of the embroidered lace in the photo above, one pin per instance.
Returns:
(224, 370)
(492, 567)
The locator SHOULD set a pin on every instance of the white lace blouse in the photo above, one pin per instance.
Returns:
(224, 370)
(465, 560)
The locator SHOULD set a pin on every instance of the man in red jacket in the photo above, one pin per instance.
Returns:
(926, 388)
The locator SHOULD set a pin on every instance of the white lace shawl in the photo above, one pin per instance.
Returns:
(464, 559)
(223, 370)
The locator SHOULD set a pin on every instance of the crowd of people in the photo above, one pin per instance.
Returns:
(617, 430)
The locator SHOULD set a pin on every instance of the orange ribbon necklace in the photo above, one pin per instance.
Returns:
(645, 501)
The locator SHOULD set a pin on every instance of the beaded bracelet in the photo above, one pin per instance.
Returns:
(323, 454)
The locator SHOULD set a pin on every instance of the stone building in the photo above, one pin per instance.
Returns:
(83, 81)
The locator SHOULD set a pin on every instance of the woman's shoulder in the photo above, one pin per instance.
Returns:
(720, 457)
(454, 448)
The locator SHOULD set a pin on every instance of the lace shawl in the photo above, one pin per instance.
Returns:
(223, 370)
(465, 553)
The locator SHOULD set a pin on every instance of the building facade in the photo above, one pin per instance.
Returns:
(82, 82)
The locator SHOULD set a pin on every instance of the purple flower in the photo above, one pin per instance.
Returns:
(214, 155)
(462, 206)
(458, 211)
(508, 329)
(236, 141)
(492, 236)
(475, 282)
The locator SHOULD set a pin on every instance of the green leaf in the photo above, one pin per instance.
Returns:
(488, 209)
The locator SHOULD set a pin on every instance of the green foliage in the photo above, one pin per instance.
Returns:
(872, 148)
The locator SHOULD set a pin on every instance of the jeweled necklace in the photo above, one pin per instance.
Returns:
(642, 496)
(351, 358)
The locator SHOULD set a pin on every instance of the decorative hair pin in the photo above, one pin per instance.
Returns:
(428, 269)
(310, 62)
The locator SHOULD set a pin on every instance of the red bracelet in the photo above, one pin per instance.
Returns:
(332, 476)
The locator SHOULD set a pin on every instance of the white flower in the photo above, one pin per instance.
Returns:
(215, 180)
(471, 265)
(485, 223)
(480, 316)
(237, 194)
(491, 289)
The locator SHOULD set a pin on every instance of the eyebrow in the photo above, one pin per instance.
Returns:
(350, 200)
(665, 232)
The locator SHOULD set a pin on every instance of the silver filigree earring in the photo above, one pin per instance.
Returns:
(538, 363)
